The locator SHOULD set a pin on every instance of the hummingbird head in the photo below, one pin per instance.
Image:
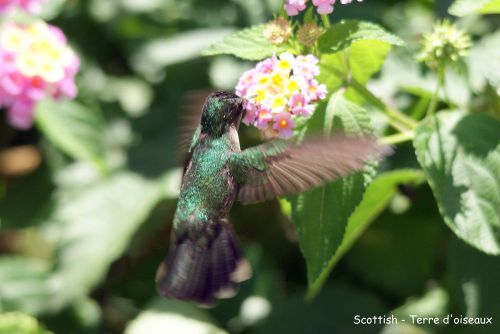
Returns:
(222, 110)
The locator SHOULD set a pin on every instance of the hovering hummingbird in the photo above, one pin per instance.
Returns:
(205, 261)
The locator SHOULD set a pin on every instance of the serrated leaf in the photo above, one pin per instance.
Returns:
(361, 61)
(468, 7)
(76, 130)
(460, 155)
(320, 216)
(347, 32)
(248, 44)
(376, 198)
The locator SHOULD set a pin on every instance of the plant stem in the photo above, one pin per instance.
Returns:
(435, 96)
(392, 113)
(326, 21)
(398, 138)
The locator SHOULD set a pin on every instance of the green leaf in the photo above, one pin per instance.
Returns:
(19, 323)
(91, 226)
(474, 279)
(380, 256)
(376, 198)
(360, 62)
(320, 216)
(24, 284)
(460, 155)
(26, 200)
(482, 62)
(347, 32)
(332, 312)
(95, 226)
(76, 130)
(468, 7)
(169, 316)
(248, 44)
(434, 303)
(151, 57)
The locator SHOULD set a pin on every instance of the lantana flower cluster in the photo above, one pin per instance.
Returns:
(35, 62)
(323, 7)
(30, 6)
(280, 89)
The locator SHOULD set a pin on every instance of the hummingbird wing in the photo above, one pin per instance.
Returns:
(281, 167)
(188, 131)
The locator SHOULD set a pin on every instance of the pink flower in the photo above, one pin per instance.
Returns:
(35, 63)
(294, 7)
(20, 115)
(30, 6)
(316, 91)
(284, 124)
(300, 106)
(250, 114)
(306, 66)
(264, 117)
(324, 7)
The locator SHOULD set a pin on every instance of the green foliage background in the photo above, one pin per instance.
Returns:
(82, 234)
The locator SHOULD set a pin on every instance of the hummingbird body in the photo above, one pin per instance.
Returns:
(208, 188)
(205, 261)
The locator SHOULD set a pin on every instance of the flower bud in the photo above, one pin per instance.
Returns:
(278, 31)
(446, 44)
(309, 33)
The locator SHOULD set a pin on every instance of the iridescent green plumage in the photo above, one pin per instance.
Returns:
(205, 261)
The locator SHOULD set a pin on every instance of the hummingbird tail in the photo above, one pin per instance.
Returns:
(203, 266)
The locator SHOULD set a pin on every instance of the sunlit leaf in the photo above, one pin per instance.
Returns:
(460, 155)
(343, 34)
(482, 62)
(76, 130)
(362, 60)
(95, 226)
(92, 225)
(248, 44)
(152, 56)
(19, 323)
(468, 7)
(24, 284)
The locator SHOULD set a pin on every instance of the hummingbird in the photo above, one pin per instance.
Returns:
(205, 261)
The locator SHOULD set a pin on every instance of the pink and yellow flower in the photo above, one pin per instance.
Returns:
(35, 62)
(280, 89)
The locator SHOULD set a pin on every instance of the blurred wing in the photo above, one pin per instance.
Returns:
(282, 168)
(191, 108)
